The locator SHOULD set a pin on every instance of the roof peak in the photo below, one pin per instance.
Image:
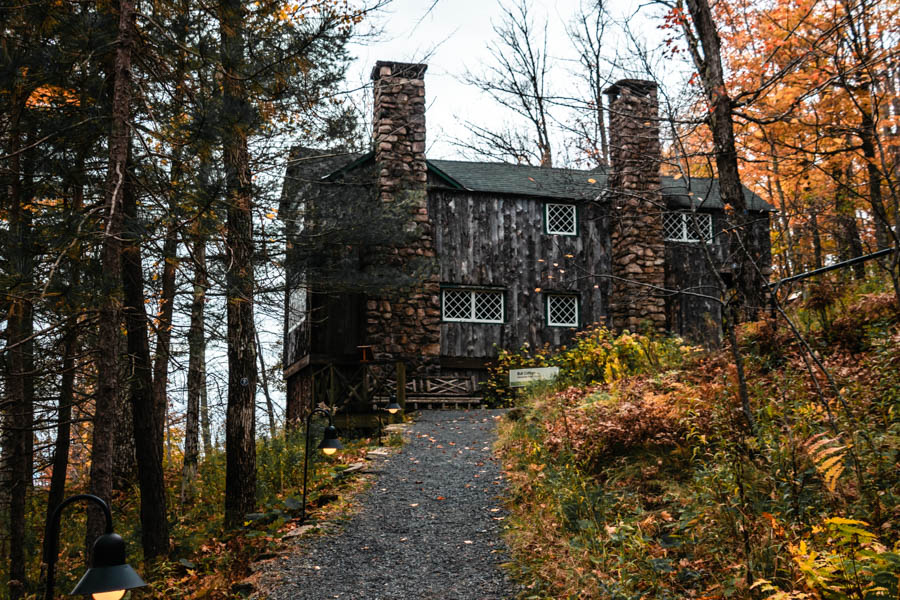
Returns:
(520, 165)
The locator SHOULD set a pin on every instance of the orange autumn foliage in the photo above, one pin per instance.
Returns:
(813, 83)
(51, 96)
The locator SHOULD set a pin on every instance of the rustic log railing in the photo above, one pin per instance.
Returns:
(368, 386)
(438, 391)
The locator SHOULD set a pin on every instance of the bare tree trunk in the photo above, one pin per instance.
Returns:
(196, 381)
(784, 232)
(107, 394)
(849, 241)
(205, 432)
(240, 419)
(783, 219)
(125, 469)
(704, 46)
(164, 328)
(881, 220)
(146, 427)
(170, 262)
(816, 239)
(63, 430)
(20, 366)
(270, 409)
(67, 386)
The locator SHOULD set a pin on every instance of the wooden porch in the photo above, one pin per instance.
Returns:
(362, 388)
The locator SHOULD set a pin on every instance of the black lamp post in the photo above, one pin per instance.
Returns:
(108, 576)
(392, 408)
(329, 445)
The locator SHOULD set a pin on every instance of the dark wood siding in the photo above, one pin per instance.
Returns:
(326, 223)
(332, 329)
(499, 241)
(691, 316)
(696, 318)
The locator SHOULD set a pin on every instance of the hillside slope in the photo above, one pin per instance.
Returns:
(652, 485)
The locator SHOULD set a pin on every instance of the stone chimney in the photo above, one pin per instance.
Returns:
(404, 324)
(399, 126)
(636, 206)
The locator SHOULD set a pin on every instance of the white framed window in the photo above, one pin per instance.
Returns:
(297, 306)
(687, 226)
(562, 310)
(560, 219)
(472, 305)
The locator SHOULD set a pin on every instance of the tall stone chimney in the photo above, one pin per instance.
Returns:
(404, 324)
(638, 247)
(399, 126)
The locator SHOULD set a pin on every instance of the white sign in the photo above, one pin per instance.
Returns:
(522, 377)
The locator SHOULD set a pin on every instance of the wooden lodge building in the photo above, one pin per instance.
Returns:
(505, 254)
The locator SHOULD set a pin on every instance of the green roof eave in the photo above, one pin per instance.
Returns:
(443, 176)
(355, 164)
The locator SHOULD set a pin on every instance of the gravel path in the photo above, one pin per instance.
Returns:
(428, 528)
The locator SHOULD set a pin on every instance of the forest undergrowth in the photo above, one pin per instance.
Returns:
(207, 561)
(646, 481)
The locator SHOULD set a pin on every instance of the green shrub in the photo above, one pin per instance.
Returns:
(596, 356)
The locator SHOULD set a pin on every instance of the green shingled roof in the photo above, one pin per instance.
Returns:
(564, 184)
(705, 194)
(571, 184)
(522, 180)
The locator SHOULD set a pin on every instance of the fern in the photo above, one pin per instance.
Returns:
(828, 457)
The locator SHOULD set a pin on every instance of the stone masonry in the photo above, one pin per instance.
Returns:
(636, 206)
(404, 324)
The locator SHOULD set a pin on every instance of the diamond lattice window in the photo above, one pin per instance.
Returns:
(686, 226)
(477, 306)
(562, 310)
(561, 219)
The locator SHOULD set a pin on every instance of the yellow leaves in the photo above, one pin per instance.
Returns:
(591, 180)
(831, 470)
(843, 521)
(828, 457)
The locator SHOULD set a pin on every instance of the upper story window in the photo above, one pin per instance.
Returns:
(560, 219)
(297, 305)
(472, 305)
(562, 310)
(687, 226)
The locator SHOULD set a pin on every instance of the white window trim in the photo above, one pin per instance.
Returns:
(687, 229)
(472, 292)
(550, 322)
(570, 207)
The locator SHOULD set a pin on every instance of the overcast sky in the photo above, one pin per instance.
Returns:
(451, 38)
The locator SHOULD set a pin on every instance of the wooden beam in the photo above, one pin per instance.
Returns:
(296, 367)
